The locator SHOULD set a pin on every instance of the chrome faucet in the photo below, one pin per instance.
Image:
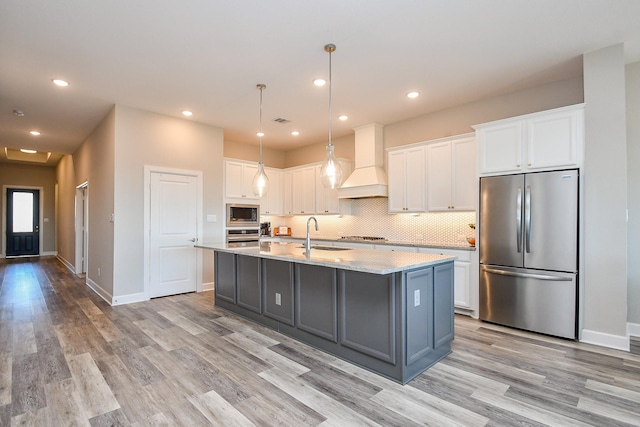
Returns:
(308, 244)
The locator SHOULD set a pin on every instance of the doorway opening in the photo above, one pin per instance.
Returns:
(22, 233)
(82, 229)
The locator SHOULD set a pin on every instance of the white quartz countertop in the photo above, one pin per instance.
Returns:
(364, 260)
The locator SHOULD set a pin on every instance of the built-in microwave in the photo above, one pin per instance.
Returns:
(243, 215)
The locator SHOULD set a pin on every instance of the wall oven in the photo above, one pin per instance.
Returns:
(239, 237)
(239, 215)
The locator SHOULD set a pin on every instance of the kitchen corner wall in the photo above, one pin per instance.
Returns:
(370, 217)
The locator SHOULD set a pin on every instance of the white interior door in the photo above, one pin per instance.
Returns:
(173, 231)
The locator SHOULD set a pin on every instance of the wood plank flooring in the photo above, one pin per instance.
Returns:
(68, 358)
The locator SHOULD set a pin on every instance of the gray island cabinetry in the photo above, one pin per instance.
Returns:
(391, 314)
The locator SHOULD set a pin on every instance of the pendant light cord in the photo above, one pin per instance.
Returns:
(330, 114)
(261, 87)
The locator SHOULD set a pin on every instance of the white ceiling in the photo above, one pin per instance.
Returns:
(208, 55)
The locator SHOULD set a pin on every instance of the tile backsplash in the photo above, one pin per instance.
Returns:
(370, 217)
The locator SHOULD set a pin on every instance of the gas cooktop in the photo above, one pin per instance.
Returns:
(363, 238)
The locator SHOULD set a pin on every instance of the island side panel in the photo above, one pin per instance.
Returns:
(419, 314)
(317, 301)
(277, 285)
(368, 313)
(443, 293)
(249, 293)
(225, 276)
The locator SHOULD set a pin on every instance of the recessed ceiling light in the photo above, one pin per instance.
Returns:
(319, 82)
(295, 133)
(24, 150)
(34, 132)
(413, 94)
(59, 82)
(260, 134)
(343, 117)
(187, 113)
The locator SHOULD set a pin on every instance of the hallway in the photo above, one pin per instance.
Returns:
(68, 358)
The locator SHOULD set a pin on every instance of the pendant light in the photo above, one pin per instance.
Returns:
(260, 181)
(330, 171)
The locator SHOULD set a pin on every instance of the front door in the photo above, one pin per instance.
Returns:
(173, 231)
(23, 214)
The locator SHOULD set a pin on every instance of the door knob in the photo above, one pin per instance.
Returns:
(195, 239)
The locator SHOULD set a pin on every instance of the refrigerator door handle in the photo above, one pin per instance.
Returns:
(527, 219)
(527, 275)
(519, 220)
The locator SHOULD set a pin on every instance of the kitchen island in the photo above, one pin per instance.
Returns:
(389, 312)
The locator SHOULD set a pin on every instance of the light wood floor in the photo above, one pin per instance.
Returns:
(68, 358)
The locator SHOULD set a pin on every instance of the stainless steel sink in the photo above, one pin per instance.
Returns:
(327, 248)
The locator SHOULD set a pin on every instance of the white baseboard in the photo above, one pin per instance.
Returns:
(129, 299)
(633, 329)
(605, 340)
(67, 264)
(99, 290)
(207, 287)
(49, 253)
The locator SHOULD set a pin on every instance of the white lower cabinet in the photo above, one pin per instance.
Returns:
(462, 275)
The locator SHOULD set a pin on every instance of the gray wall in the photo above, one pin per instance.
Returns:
(65, 227)
(145, 138)
(93, 163)
(605, 191)
(633, 193)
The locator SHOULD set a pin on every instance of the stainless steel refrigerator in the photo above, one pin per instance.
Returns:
(529, 251)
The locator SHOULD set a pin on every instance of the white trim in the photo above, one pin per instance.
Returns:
(129, 299)
(605, 340)
(148, 170)
(49, 253)
(210, 286)
(633, 329)
(431, 141)
(66, 264)
(105, 295)
(81, 220)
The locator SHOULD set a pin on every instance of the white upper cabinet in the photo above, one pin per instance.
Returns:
(303, 194)
(451, 175)
(271, 203)
(406, 172)
(553, 139)
(541, 141)
(327, 201)
(287, 192)
(238, 179)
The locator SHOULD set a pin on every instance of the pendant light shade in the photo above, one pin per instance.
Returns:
(330, 171)
(260, 180)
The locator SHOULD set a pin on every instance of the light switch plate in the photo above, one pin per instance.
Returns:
(416, 298)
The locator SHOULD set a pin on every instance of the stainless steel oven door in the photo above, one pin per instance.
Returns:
(240, 237)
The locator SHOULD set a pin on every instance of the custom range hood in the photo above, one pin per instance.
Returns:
(368, 178)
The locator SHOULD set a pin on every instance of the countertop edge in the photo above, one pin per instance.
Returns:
(326, 262)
